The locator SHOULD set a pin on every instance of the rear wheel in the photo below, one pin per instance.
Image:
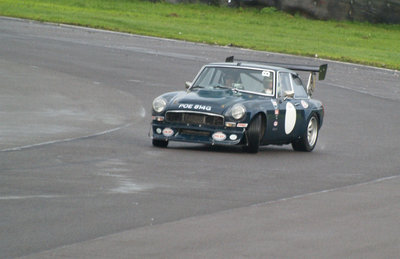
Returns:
(253, 135)
(309, 140)
(160, 143)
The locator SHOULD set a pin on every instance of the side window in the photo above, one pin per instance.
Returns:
(299, 91)
(284, 83)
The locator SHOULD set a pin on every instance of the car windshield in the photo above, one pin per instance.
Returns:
(244, 80)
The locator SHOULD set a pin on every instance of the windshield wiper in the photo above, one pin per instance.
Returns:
(197, 86)
(221, 86)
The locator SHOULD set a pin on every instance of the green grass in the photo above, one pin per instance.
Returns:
(266, 29)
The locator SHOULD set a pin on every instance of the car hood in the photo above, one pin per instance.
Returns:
(204, 100)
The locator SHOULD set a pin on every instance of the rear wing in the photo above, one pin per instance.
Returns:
(313, 70)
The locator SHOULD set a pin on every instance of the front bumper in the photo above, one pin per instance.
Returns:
(196, 133)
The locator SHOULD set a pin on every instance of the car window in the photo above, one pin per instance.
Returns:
(205, 77)
(299, 91)
(212, 76)
(252, 80)
(284, 83)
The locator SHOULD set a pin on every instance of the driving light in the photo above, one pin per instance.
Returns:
(238, 111)
(233, 137)
(159, 104)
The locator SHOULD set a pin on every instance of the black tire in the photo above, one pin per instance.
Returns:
(308, 141)
(160, 143)
(253, 134)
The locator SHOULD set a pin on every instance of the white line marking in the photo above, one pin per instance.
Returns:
(29, 197)
(326, 191)
(65, 140)
(359, 91)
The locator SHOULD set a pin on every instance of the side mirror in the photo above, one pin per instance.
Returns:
(188, 84)
(289, 94)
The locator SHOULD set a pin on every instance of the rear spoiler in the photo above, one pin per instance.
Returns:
(321, 70)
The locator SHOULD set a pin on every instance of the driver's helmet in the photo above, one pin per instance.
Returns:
(229, 78)
(267, 81)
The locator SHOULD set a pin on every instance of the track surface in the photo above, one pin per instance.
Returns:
(76, 163)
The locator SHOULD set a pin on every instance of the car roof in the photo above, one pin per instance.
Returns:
(250, 65)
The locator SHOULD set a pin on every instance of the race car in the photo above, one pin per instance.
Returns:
(242, 102)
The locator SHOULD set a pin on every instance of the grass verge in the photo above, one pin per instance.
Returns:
(265, 29)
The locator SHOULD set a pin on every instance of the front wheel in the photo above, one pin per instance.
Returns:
(309, 140)
(160, 143)
(253, 135)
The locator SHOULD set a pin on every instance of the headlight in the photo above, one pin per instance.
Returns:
(238, 111)
(159, 104)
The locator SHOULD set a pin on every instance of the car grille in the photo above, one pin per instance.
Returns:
(195, 118)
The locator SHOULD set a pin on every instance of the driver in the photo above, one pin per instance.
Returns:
(268, 85)
(229, 79)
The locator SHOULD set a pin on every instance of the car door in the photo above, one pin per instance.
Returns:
(301, 102)
(290, 109)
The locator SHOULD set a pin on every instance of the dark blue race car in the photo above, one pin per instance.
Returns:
(247, 103)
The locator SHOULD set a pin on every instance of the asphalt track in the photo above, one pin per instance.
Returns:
(80, 179)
